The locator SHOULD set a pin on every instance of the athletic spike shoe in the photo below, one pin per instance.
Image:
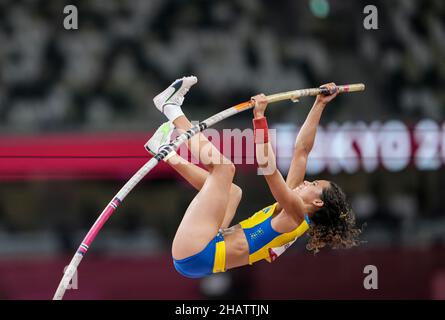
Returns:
(160, 138)
(170, 100)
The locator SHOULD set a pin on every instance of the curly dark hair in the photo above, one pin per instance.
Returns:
(333, 224)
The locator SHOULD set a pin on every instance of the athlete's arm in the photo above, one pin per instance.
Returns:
(306, 137)
(265, 156)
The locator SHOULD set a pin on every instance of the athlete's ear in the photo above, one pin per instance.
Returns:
(318, 203)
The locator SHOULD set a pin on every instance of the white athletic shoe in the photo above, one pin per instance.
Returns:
(160, 138)
(170, 100)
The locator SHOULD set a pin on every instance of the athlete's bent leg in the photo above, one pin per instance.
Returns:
(196, 176)
(207, 212)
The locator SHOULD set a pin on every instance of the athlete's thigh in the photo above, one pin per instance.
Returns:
(204, 216)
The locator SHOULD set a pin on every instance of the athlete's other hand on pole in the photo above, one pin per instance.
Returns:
(326, 98)
(260, 102)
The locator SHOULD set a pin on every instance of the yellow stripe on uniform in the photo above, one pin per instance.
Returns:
(258, 217)
(219, 264)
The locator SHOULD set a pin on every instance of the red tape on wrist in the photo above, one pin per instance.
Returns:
(260, 130)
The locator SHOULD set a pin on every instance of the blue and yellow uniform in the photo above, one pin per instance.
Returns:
(212, 259)
(264, 243)
(263, 239)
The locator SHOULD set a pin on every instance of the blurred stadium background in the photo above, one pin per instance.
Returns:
(76, 109)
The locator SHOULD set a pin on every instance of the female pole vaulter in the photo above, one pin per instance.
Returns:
(204, 243)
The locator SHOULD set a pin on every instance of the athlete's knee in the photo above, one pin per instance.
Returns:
(231, 168)
(227, 168)
(236, 193)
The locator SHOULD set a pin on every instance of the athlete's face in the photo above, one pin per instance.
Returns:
(310, 192)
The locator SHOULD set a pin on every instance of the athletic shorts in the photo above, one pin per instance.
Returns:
(212, 259)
